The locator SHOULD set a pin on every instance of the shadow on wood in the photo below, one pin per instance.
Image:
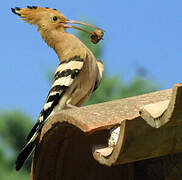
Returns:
(66, 153)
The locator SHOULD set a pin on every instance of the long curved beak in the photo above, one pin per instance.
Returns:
(81, 23)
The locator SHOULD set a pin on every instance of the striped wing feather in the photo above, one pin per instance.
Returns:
(65, 75)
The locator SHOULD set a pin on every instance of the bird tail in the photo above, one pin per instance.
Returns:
(26, 152)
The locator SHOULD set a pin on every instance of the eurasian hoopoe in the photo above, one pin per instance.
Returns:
(78, 74)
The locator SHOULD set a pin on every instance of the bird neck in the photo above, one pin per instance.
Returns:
(61, 41)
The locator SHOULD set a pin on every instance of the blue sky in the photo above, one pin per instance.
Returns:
(139, 33)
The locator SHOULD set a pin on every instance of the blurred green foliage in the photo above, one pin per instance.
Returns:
(15, 125)
(113, 88)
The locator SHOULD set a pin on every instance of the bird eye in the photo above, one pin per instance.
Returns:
(54, 18)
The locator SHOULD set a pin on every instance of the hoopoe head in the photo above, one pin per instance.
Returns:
(48, 19)
(44, 18)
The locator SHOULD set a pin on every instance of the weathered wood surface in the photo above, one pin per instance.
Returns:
(168, 111)
(69, 140)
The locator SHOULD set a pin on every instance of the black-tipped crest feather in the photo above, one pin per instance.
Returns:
(32, 7)
(14, 10)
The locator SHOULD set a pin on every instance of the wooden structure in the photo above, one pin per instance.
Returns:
(74, 143)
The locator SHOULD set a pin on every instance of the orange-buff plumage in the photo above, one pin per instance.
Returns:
(78, 74)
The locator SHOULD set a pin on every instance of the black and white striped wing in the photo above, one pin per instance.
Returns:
(64, 77)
